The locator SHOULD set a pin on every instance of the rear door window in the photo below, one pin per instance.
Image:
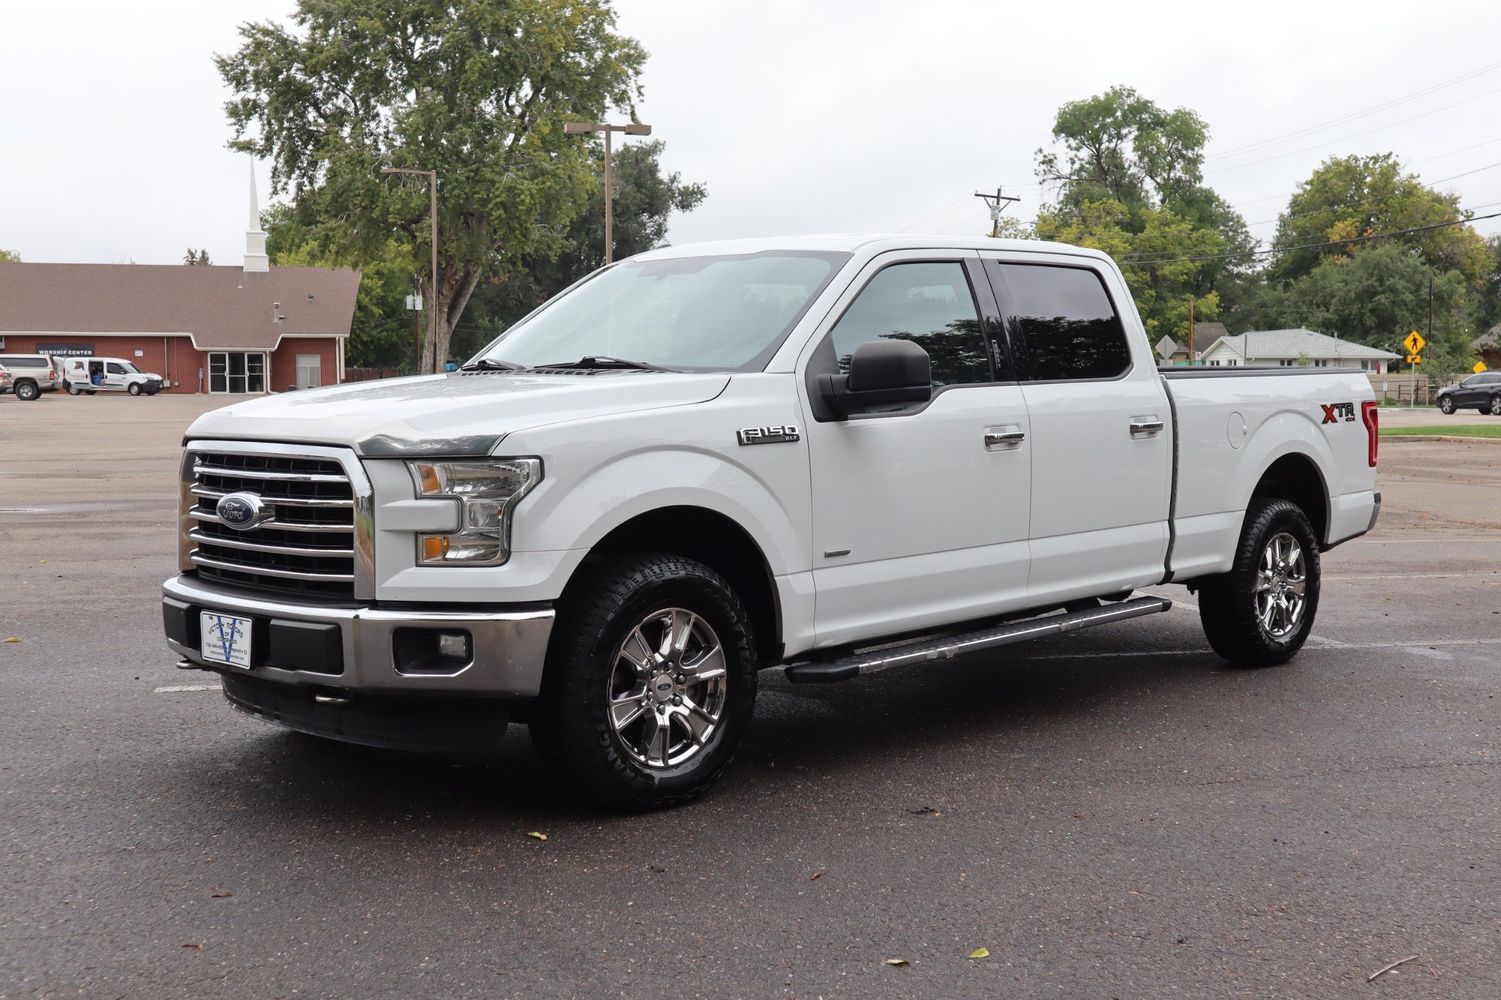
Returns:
(1062, 321)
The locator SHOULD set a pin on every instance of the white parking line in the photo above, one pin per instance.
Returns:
(1416, 576)
(1333, 646)
(174, 688)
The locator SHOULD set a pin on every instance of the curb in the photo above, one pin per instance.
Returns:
(1437, 437)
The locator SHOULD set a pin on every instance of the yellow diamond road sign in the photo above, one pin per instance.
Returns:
(1414, 359)
(1414, 343)
(1479, 367)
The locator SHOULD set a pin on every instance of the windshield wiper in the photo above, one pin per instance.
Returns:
(491, 365)
(601, 361)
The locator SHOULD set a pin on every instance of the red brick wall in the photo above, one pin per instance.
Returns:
(180, 363)
(177, 362)
(284, 360)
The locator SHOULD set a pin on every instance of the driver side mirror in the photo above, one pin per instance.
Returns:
(882, 373)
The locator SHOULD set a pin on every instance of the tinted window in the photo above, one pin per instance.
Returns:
(929, 304)
(23, 361)
(115, 369)
(1066, 321)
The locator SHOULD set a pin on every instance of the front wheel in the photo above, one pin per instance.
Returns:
(135, 388)
(1260, 613)
(1446, 405)
(650, 682)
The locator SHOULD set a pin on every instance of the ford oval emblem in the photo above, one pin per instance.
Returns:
(241, 511)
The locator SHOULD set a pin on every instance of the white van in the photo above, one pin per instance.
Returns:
(93, 375)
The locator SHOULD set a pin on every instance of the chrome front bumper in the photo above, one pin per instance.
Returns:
(507, 647)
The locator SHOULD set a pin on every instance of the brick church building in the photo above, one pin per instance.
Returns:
(215, 329)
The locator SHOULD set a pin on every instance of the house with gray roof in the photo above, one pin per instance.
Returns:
(1291, 348)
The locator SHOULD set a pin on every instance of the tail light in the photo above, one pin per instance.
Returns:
(1372, 427)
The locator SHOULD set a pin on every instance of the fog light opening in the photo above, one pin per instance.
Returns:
(431, 651)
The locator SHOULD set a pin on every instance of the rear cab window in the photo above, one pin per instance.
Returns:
(1062, 323)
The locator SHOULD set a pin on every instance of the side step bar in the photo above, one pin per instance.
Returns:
(949, 646)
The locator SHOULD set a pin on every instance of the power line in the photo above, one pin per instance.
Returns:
(1309, 246)
(1309, 130)
(1488, 166)
(1356, 135)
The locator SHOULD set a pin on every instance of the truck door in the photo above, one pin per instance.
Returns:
(919, 513)
(114, 375)
(1101, 427)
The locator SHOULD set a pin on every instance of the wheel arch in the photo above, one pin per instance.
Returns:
(714, 539)
(1296, 477)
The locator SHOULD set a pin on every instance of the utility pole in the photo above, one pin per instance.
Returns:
(1190, 329)
(996, 203)
(630, 128)
(1430, 317)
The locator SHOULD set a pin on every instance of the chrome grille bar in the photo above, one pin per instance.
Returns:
(206, 493)
(286, 574)
(288, 550)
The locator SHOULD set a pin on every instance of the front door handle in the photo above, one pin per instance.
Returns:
(997, 438)
(1145, 426)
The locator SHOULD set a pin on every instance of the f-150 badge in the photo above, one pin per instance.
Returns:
(768, 435)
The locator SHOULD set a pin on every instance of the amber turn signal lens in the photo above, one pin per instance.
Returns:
(434, 547)
(428, 474)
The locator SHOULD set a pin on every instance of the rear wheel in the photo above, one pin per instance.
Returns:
(27, 390)
(1496, 406)
(1260, 613)
(650, 682)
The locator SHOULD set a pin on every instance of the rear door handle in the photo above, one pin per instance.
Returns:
(1145, 426)
(997, 438)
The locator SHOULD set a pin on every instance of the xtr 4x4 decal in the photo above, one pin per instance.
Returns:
(1335, 412)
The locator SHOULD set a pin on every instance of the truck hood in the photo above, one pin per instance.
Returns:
(455, 414)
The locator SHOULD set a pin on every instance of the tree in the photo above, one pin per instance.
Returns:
(196, 258)
(1129, 181)
(382, 333)
(645, 199)
(477, 90)
(1354, 196)
(9, 257)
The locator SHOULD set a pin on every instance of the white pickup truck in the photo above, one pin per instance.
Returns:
(835, 455)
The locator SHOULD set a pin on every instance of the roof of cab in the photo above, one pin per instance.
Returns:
(863, 242)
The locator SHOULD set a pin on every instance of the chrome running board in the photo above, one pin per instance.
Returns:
(947, 647)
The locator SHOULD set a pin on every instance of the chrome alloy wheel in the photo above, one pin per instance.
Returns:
(667, 688)
(1281, 586)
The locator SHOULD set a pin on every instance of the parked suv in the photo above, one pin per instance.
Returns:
(31, 375)
(1482, 391)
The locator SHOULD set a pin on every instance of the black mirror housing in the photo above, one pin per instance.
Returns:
(882, 373)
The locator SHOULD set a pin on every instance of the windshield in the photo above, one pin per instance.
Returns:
(129, 367)
(710, 313)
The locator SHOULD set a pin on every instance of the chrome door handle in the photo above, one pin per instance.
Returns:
(1145, 426)
(1004, 437)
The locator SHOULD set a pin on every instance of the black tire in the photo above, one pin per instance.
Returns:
(73, 390)
(135, 388)
(1228, 603)
(26, 390)
(92, 392)
(1446, 405)
(572, 721)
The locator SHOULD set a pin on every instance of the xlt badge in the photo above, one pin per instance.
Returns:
(768, 435)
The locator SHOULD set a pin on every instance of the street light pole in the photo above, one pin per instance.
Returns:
(630, 128)
(432, 306)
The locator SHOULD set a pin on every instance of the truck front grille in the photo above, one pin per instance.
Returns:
(305, 548)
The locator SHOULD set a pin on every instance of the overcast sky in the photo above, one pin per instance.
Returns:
(801, 116)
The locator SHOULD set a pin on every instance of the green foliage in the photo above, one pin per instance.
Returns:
(477, 90)
(1353, 196)
(383, 334)
(644, 198)
(9, 257)
(1129, 182)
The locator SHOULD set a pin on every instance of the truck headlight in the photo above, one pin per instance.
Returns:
(487, 491)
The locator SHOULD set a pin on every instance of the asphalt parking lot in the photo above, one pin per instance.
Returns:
(1114, 814)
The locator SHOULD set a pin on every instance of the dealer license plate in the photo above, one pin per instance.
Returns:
(225, 638)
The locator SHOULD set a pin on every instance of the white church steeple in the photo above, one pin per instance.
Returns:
(255, 237)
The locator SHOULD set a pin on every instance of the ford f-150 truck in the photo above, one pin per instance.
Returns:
(834, 455)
